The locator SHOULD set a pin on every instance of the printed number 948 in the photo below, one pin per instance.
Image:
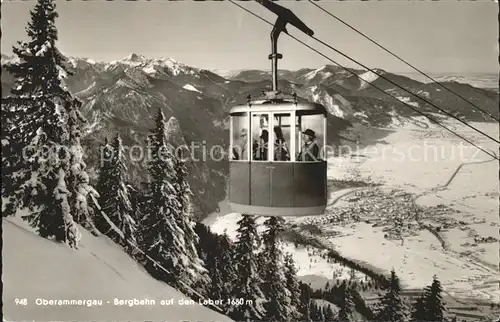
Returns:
(21, 301)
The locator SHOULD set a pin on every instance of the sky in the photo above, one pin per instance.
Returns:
(436, 37)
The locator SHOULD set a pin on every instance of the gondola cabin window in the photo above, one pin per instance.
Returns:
(252, 132)
(240, 137)
(260, 137)
(310, 140)
(282, 137)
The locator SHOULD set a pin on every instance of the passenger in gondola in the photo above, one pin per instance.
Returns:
(260, 147)
(310, 148)
(280, 147)
(240, 148)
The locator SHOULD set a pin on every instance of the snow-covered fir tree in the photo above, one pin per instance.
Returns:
(316, 313)
(160, 237)
(48, 175)
(10, 155)
(222, 272)
(103, 182)
(217, 252)
(434, 304)
(123, 210)
(391, 307)
(136, 198)
(429, 306)
(184, 217)
(293, 287)
(305, 302)
(247, 285)
(346, 313)
(115, 197)
(418, 312)
(328, 313)
(79, 180)
(274, 281)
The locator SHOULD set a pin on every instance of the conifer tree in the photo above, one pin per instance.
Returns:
(391, 307)
(126, 222)
(305, 302)
(47, 175)
(429, 306)
(10, 156)
(115, 196)
(322, 312)
(184, 219)
(226, 267)
(161, 237)
(293, 287)
(418, 313)
(434, 304)
(274, 286)
(103, 184)
(261, 261)
(219, 261)
(316, 314)
(136, 197)
(346, 313)
(210, 249)
(216, 289)
(329, 315)
(247, 284)
(78, 179)
(104, 179)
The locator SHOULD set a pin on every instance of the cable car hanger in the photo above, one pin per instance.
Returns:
(285, 16)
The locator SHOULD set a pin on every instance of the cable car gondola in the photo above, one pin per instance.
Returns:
(277, 167)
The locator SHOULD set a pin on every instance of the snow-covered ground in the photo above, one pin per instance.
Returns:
(37, 269)
(367, 77)
(190, 87)
(426, 163)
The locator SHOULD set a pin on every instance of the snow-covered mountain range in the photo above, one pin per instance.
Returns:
(122, 96)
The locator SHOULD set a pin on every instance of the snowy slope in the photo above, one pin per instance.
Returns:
(368, 77)
(190, 87)
(34, 267)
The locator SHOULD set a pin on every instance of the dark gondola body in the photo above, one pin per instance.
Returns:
(273, 187)
(273, 171)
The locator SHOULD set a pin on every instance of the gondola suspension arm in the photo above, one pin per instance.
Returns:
(285, 16)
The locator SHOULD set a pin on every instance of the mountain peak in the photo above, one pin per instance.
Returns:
(329, 68)
(154, 66)
(136, 58)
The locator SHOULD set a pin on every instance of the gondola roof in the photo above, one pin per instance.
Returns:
(278, 103)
